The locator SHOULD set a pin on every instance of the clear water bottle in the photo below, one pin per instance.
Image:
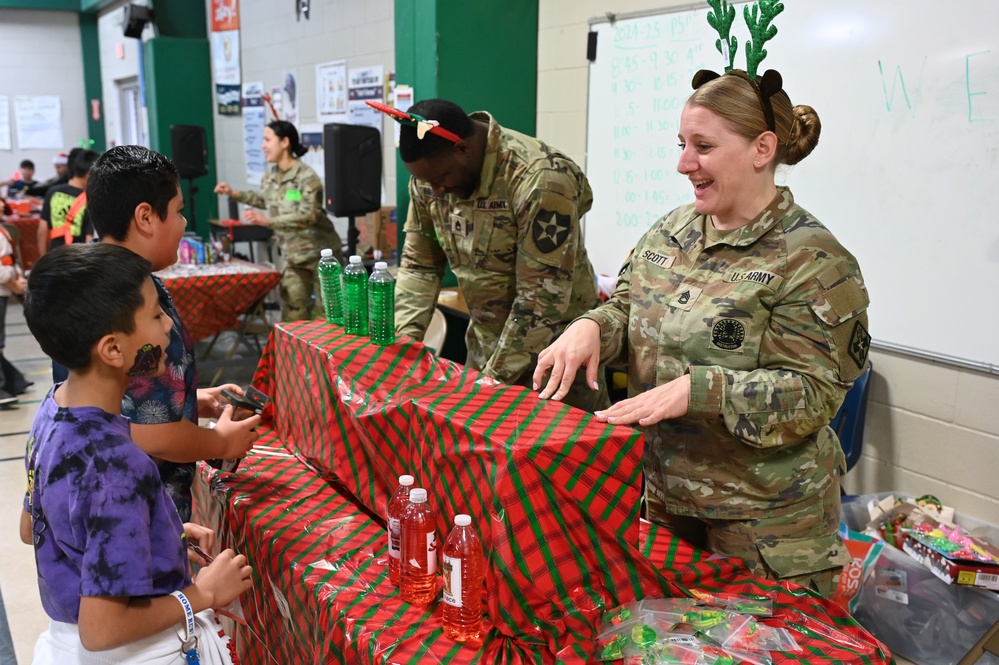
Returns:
(418, 554)
(381, 305)
(355, 297)
(396, 507)
(462, 572)
(331, 286)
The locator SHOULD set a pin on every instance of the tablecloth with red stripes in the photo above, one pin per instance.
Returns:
(211, 297)
(553, 493)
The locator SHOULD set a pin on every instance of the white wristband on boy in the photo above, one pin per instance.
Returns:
(188, 613)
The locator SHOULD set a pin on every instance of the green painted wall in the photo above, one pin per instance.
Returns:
(179, 92)
(482, 56)
(181, 18)
(92, 87)
(54, 5)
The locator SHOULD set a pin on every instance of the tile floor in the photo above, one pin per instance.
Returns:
(18, 587)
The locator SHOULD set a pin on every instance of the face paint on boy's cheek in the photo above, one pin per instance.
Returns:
(147, 361)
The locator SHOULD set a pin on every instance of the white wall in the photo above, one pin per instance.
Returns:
(930, 428)
(41, 54)
(272, 41)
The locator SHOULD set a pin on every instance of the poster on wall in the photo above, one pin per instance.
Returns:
(403, 100)
(254, 120)
(365, 83)
(331, 91)
(39, 122)
(225, 55)
(289, 96)
(5, 143)
(311, 136)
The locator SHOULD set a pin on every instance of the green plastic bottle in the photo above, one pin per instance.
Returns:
(331, 285)
(381, 305)
(355, 297)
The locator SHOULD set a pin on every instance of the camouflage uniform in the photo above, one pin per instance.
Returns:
(293, 200)
(770, 322)
(515, 247)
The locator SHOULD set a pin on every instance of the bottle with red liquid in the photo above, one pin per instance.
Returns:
(397, 505)
(418, 554)
(462, 572)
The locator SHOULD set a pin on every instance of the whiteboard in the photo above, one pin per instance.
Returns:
(905, 173)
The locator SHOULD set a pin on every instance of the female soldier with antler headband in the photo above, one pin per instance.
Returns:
(744, 323)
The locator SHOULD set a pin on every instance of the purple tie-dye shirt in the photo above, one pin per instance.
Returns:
(103, 523)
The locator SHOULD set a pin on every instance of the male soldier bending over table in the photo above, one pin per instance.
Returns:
(503, 210)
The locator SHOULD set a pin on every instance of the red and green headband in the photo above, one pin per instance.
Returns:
(422, 125)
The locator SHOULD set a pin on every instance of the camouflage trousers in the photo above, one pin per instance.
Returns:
(801, 544)
(299, 287)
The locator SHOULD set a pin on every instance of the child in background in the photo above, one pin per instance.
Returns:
(12, 382)
(110, 550)
(25, 178)
(134, 199)
(64, 210)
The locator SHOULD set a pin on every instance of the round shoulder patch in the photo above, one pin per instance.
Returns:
(550, 230)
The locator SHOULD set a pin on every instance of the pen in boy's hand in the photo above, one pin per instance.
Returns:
(200, 552)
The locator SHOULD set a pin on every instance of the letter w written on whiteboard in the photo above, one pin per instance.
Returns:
(899, 79)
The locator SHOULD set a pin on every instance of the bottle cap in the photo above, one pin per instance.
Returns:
(406, 480)
(381, 265)
(355, 259)
(326, 252)
(462, 520)
(418, 495)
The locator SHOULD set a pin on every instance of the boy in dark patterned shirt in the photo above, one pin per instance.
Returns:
(110, 548)
(134, 199)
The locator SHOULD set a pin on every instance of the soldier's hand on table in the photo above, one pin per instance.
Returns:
(579, 345)
(238, 435)
(224, 189)
(210, 400)
(255, 217)
(670, 400)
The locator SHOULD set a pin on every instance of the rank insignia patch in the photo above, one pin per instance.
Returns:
(550, 230)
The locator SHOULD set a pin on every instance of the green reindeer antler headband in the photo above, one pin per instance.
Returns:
(759, 17)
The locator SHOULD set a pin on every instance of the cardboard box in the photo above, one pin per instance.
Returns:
(950, 570)
(377, 231)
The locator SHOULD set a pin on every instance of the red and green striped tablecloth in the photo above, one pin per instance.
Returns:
(553, 493)
(211, 297)
(321, 592)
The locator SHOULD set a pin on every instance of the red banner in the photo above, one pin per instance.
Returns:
(225, 15)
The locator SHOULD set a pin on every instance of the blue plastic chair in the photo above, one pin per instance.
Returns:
(849, 420)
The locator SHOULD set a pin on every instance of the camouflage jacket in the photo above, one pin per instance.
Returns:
(514, 245)
(293, 200)
(770, 322)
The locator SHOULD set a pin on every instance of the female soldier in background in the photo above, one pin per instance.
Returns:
(292, 195)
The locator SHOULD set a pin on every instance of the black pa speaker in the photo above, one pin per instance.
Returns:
(190, 150)
(135, 19)
(353, 169)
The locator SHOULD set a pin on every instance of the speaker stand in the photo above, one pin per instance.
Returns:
(192, 189)
(353, 236)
